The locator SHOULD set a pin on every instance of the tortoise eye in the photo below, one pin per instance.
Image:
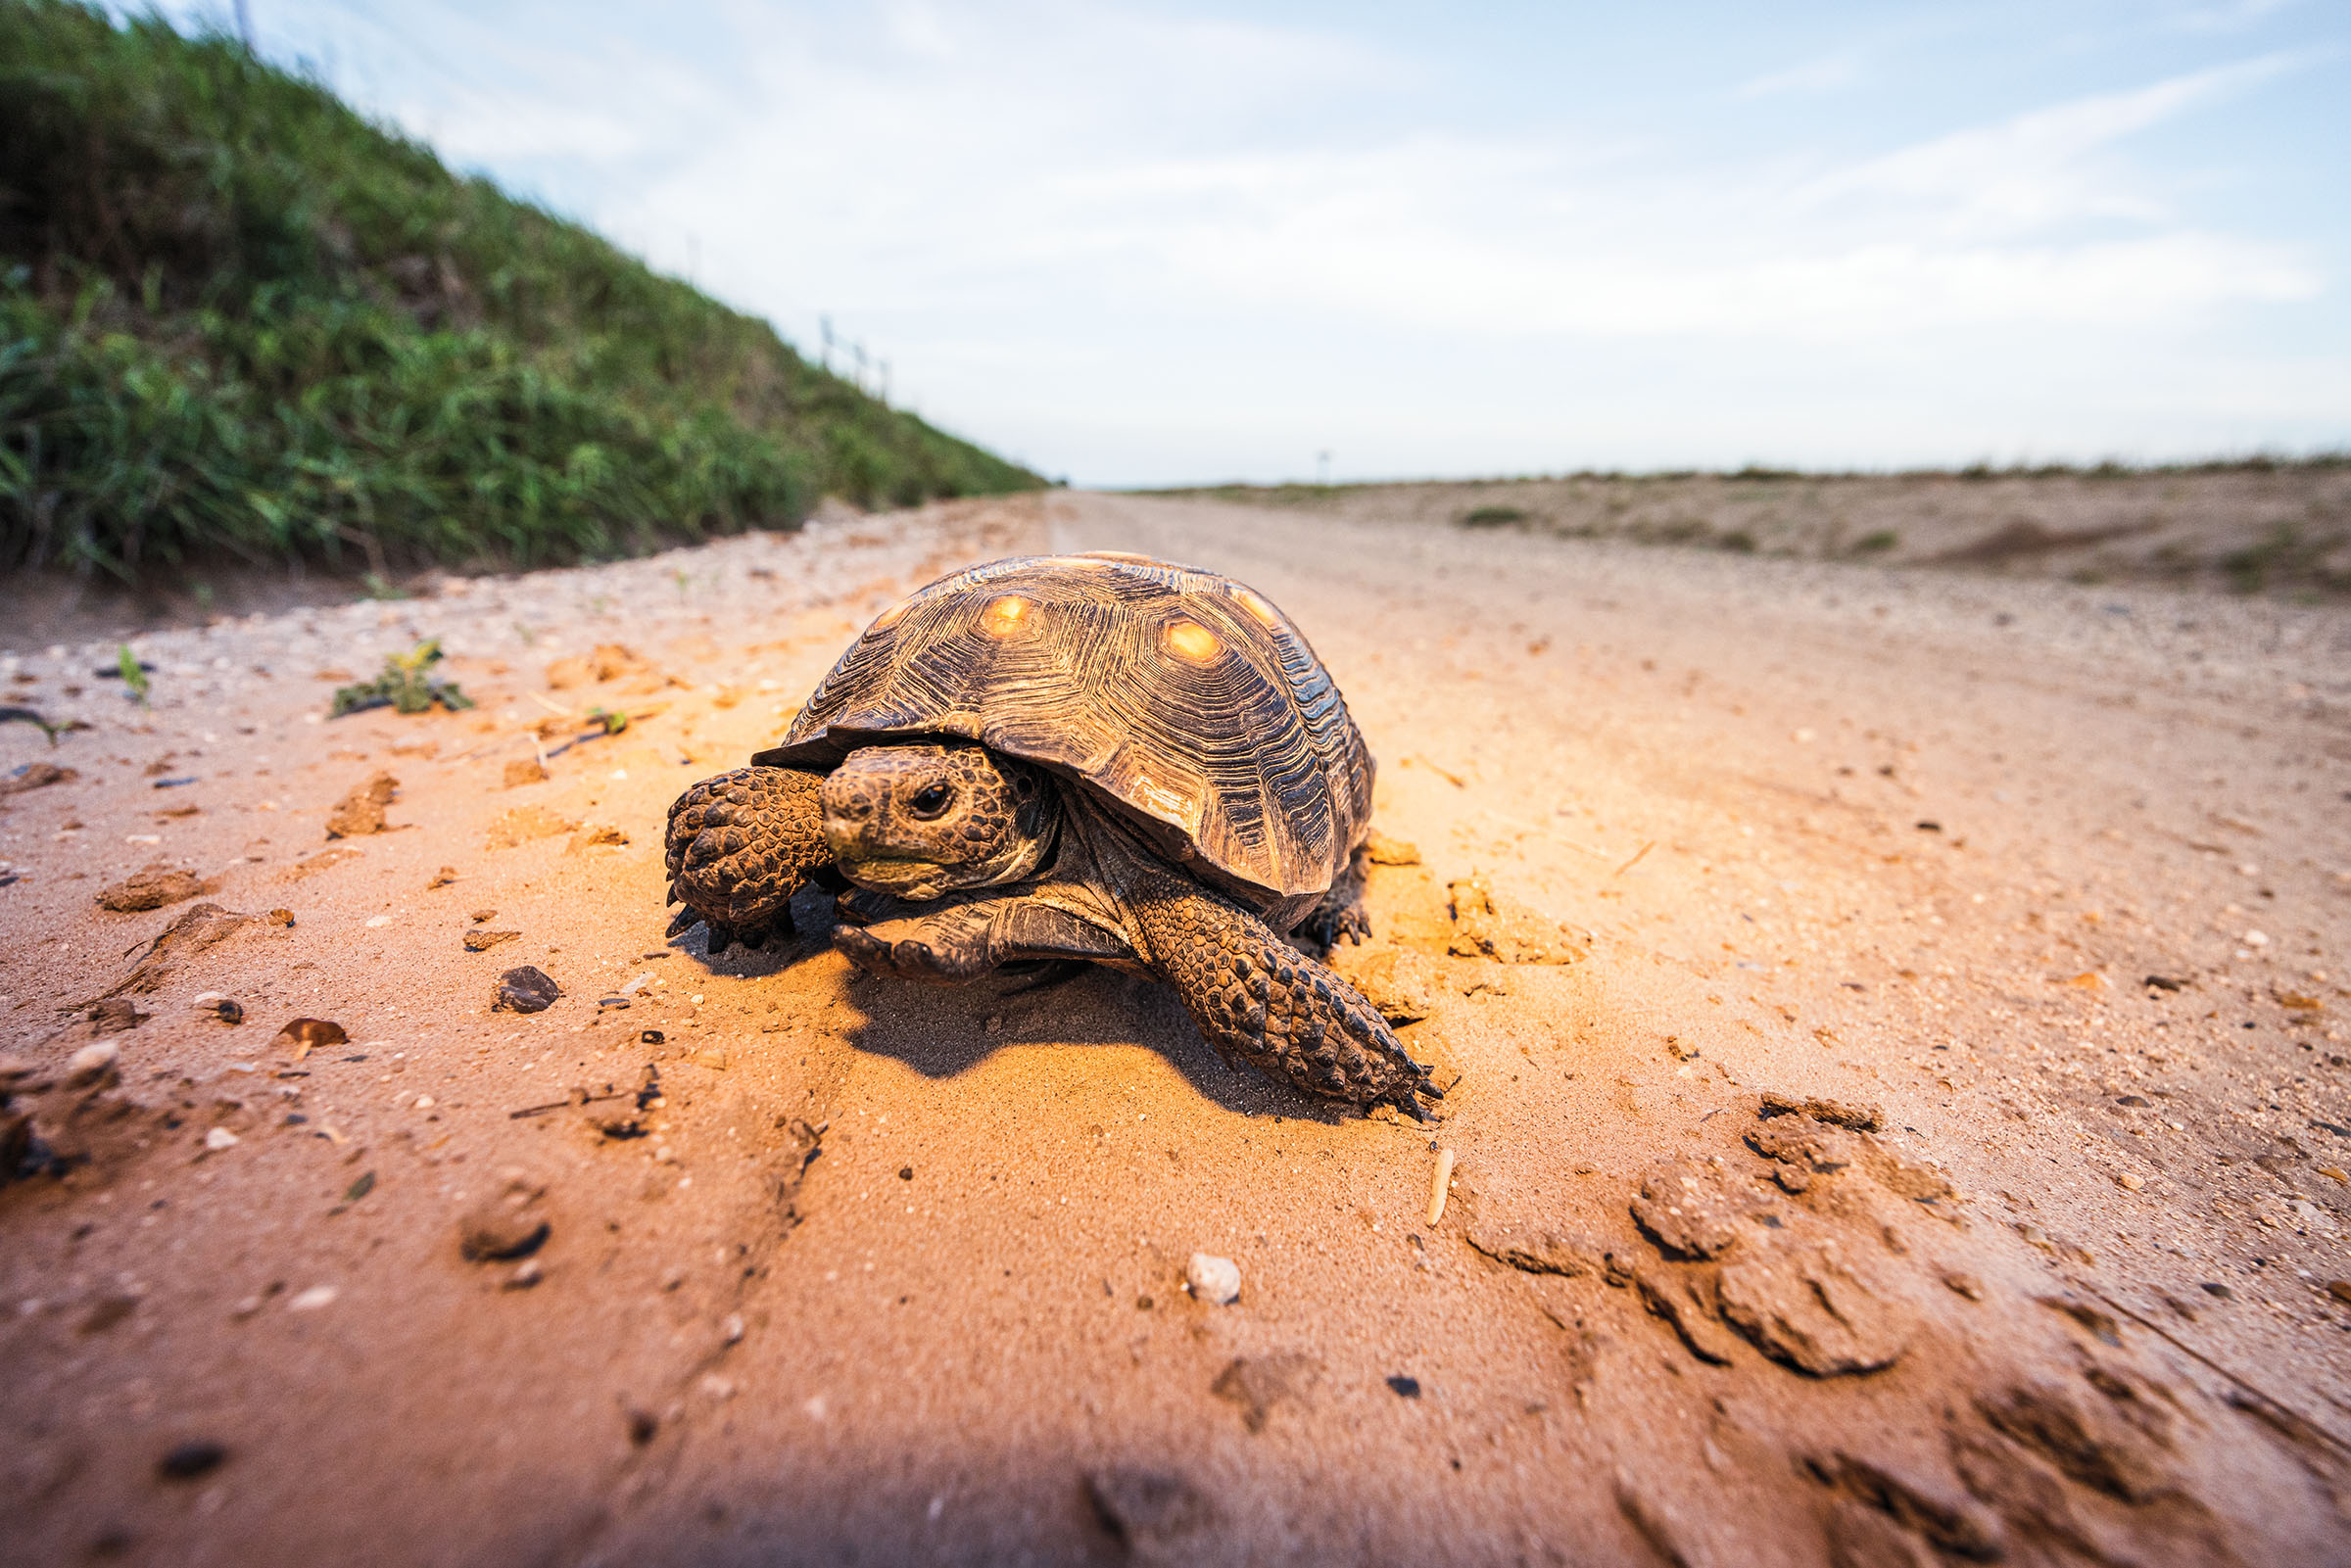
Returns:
(930, 800)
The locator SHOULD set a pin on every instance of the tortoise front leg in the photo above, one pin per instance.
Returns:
(973, 938)
(1255, 996)
(738, 846)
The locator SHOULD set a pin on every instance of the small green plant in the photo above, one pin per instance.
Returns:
(377, 588)
(612, 719)
(405, 686)
(1876, 543)
(1739, 541)
(1493, 517)
(134, 673)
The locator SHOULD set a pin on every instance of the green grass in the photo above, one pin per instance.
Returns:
(239, 321)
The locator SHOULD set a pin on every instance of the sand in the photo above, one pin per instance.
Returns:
(1851, 1194)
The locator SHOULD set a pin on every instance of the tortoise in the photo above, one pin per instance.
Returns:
(1101, 758)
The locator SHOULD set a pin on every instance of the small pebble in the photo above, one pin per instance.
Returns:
(2130, 1181)
(499, 1229)
(312, 1299)
(527, 989)
(523, 1278)
(223, 1008)
(191, 1461)
(221, 1138)
(1213, 1279)
(93, 1065)
(1406, 1387)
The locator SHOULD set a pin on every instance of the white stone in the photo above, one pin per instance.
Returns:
(1213, 1279)
(219, 1138)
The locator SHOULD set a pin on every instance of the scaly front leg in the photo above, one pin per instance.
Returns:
(1255, 996)
(738, 846)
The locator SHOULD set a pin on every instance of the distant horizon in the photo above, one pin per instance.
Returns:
(1762, 473)
(1140, 245)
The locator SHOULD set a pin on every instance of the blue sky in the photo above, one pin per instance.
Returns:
(1147, 244)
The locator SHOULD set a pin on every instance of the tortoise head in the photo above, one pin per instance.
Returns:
(920, 820)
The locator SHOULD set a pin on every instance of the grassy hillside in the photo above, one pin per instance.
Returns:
(238, 321)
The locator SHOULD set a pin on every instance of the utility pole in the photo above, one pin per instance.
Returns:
(1323, 468)
(824, 326)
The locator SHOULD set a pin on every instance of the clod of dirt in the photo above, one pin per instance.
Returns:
(1396, 983)
(1939, 1513)
(1259, 1383)
(1488, 924)
(1536, 1252)
(1805, 1305)
(199, 927)
(1686, 1209)
(501, 1229)
(1386, 851)
(479, 940)
(1154, 1513)
(495, 1232)
(35, 776)
(442, 878)
(596, 834)
(1680, 1301)
(524, 824)
(527, 989)
(1213, 1279)
(610, 661)
(191, 1461)
(1857, 1118)
(324, 860)
(114, 1015)
(362, 810)
(2111, 1432)
(95, 1067)
(153, 886)
(526, 771)
(302, 1036)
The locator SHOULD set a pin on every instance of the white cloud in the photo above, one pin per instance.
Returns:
(1063, 220)
(1824, 73)
(2038, 168)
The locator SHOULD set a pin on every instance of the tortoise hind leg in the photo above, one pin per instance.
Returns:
(1255, 996)
(1341, 912)
(738, 846)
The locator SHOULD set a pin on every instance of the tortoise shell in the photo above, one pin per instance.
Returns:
(1178, 696)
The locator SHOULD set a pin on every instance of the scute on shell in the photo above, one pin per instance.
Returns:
(1178, 695)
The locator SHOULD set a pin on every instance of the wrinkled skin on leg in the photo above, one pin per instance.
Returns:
(1255, 996)
(738, 846)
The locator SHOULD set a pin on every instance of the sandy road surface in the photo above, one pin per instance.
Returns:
(844, 1270)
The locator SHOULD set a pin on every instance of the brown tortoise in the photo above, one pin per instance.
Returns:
(1092, 757)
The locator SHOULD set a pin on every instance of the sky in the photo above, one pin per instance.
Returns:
(1137, 244)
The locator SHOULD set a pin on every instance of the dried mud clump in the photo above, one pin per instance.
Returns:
(525, 823)
(362, 812)
(1495, 926)
(203, 926)
(153, 886)
(505, 1227)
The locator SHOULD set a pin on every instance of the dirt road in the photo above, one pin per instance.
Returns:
(1935, 1148)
